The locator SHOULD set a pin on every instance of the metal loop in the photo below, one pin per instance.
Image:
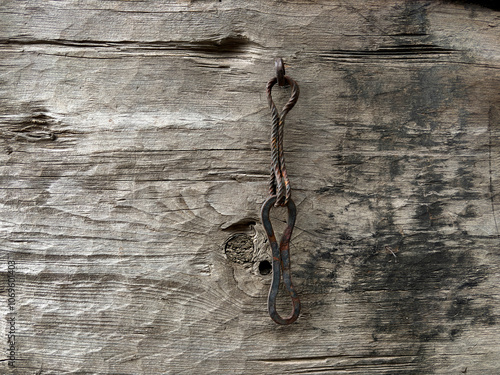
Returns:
(280, 71)
(281, 261)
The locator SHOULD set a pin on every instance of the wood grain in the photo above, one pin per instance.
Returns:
(134, 146)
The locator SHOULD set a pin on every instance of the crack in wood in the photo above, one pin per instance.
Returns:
(493, 121)
(229, 44)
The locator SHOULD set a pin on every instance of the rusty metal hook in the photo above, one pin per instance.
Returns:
(281, 261)
(279, 183)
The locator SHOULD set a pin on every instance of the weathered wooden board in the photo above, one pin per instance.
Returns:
(134, 145)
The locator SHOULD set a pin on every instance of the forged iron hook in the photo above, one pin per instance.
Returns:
(281, 261)
(280, 195)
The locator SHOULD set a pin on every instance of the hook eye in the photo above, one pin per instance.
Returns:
(280, 71)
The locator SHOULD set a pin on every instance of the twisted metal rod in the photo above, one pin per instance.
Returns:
(279, 184)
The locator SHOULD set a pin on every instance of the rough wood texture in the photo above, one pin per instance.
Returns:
(134, 145)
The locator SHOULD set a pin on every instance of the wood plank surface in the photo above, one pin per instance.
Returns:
(134, 158)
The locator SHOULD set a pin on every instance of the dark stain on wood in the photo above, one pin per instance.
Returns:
(491, 4)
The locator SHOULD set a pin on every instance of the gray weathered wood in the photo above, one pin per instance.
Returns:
(134, 145)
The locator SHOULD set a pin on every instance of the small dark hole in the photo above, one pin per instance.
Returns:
(265, 267)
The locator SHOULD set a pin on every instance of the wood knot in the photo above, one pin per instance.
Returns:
(239, 248)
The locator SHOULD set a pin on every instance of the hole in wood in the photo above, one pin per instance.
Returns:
(265, 267)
